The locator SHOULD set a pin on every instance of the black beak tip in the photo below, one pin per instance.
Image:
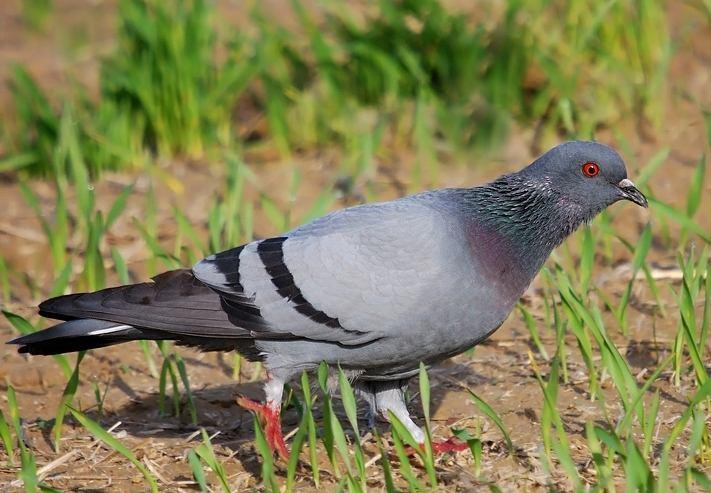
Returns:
(634, 195)
(631, 193)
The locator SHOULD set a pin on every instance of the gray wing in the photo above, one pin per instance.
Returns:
(173, 302)
(351, 277)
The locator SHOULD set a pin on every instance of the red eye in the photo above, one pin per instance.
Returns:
(591, 169)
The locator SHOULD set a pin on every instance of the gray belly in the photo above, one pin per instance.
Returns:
(432, 335)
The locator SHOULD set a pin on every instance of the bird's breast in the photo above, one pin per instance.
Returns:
(498, 266)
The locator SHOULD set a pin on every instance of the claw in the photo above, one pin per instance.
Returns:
(269, 416)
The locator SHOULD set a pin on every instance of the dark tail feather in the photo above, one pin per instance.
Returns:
(175, 302)
(78, 335)
(175, 306)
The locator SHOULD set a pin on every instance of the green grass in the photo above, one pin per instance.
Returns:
(35, 13)
(205, 454)
(23, 327)
(164, 77)
(27, 470)
(435, 77)
(114, 444)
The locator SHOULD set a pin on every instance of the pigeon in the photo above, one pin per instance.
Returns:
(374, 289)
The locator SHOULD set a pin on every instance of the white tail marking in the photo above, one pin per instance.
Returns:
(108, 330)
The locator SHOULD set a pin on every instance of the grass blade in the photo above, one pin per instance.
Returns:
(493, 416)
(268, 475)
(207, 453)
(67, 397)
(24, 327)
(6, 439)
(113, 443)
(196, 469)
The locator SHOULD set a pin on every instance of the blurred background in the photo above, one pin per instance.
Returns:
(138, 136)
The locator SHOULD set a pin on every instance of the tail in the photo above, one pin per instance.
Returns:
(78, 335)
(175, 306)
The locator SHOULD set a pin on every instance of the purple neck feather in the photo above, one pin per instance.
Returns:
(523, 219)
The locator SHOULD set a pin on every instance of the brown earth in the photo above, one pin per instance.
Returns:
(499, 370)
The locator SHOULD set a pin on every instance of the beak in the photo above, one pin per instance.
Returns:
(630, 192)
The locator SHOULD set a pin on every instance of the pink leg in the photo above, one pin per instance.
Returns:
(269, 416)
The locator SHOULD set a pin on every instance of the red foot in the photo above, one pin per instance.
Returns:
(268, 414)
(449, 445)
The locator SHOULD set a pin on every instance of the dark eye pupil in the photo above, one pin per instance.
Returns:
(590, 169)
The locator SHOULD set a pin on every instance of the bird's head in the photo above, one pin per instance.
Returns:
(586, 174)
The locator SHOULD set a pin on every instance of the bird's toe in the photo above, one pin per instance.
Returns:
(269, 415)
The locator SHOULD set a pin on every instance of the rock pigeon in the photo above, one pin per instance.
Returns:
(374, 289)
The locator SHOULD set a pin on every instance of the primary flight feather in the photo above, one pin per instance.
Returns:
(375, 289)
